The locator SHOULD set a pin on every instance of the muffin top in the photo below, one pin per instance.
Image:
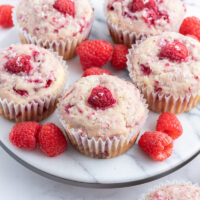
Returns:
(167, 64)
(28, 72)
(54, 19)
(176, 192)
(149, 17)
(101, 106)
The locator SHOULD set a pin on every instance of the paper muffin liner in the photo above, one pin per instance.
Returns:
(166, 183)
(120, 36)
(65, 48)
(102, 147)
(35, 110)
(160, 103)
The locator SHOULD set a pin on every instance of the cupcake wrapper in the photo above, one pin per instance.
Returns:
(35, 110)
(166, 183)
(102, 147)
(161, 102)
(122, 37)
(66, 49)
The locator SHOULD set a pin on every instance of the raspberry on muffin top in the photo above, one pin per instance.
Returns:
(167, 64)
(149, 17)
(102, 105)
(54, 19)
(28, 72)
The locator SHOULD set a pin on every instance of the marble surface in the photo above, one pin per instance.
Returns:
(26, 185)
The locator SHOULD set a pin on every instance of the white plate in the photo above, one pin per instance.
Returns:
(132, 168)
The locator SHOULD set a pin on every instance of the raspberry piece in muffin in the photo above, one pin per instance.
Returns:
(157, 145)
(65, 7)
(139, 5)
(95, 71)
(169, 124)
(23, 135)
(191, 26)
(94, 53)
(175, 52)
(19, 64)
(101, 98)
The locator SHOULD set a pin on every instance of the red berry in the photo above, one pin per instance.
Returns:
(157, 145)
(51, 140)
(23, 135)
(94, 53)
(191, 26)
(19, 64)
(95, 71)
(65, 7)
(175, 52)
(146, 69)
(21, 92)
(119, 56)
(6, 16)
(101, 98)
(139, 5)
(169, 124)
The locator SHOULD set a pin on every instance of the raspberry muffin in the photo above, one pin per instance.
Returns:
(31, 80)
(175, 191)
(133, 20)
(57, 24)
(166, 70)
(102, 115)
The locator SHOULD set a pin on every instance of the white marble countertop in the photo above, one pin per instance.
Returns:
(19, 183)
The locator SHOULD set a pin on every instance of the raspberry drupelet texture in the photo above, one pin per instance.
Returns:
(119, 56)
(175, 52)
(24, 135)
(191, 26)
(101, 98)
(65, 7)
(51, 140)
(95, 71)
(19, 64)
(94, 53)
(169, 124)
(6, 16)
(157, 145)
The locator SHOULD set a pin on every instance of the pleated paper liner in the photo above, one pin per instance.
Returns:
(162, 102)
(102, 147)
(36, 110)
(65, 48)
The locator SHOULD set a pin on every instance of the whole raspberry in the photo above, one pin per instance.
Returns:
(175, 52)
(119, 56)
(6, 16)
(139, 5)
(94, 53)
(169, 124)
(19, 64)
(23, 135)
(191, 26)
(51, 140)
(101, 98)
(65, 7)
(157, 145)
(95, 71)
